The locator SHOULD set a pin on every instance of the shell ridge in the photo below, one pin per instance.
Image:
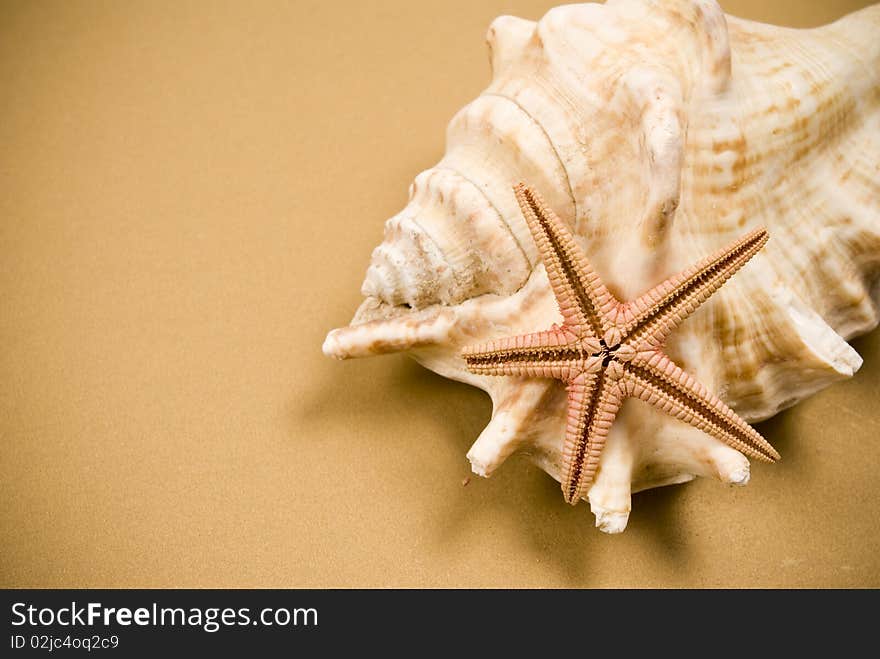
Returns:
(441, 254)
(549, 141)
(502, 221)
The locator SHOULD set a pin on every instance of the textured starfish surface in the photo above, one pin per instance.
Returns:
(607, 350)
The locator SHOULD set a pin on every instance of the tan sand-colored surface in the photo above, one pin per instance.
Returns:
(189, 194)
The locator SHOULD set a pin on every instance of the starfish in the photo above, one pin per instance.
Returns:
(606, 350)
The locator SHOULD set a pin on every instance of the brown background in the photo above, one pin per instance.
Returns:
(189, 193)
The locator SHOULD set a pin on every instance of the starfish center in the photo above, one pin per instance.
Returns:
(607, 353)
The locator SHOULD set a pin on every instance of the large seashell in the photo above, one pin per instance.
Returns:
(659, 131)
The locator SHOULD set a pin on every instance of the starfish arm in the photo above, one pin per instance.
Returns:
(584, 301)
(549, 354)
(658, 381)
(656, 313)
(593, 402)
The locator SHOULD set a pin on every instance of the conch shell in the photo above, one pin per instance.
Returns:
(659, 131)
